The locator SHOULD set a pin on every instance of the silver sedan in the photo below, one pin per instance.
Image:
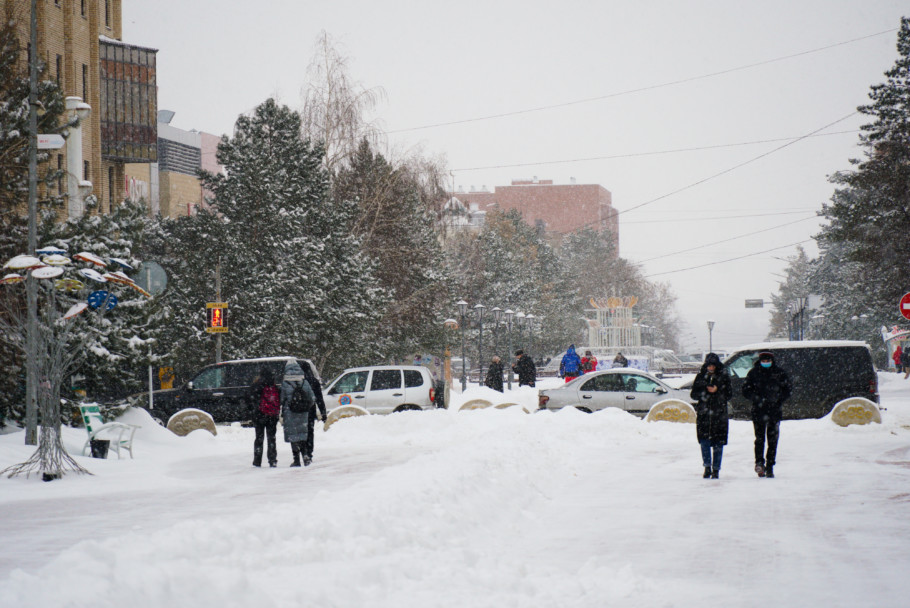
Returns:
(628, 389)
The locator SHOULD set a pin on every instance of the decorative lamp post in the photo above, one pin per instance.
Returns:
(520, 322)
(529, 321)
(508, 314)
(497, 317)
(711, 336)
(448, 324)
(479, 308)
(462, 310)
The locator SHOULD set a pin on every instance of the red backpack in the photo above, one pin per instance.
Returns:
(270, 402)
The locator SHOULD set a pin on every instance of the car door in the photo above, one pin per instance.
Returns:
(417, 388)
(233, 404)
(600, 391)
(349, 389)
(640, 393)
(205, 390)
(386, 391)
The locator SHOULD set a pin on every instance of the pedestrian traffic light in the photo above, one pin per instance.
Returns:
(216, 322)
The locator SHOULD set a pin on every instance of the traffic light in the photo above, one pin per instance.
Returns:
(217, 317)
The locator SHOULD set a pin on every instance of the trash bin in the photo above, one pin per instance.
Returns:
(100, 447)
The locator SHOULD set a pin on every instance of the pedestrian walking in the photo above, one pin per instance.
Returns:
(896, 357)
(767, 386)
(265, 405)
(588, 363)
(712, 390)
(297, 398)
(317, 410)
(525, 368)
(570, 366)
(494, 374)
(905, 361)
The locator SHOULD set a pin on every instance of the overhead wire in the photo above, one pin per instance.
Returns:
(645, 88)
(741, 257)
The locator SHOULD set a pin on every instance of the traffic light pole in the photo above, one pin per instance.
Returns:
(31, 287)
(218, 299)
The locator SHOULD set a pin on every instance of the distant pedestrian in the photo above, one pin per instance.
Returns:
(896, 357)
(588, 363)
(494, 374)
(767, 386)
(265, 405)
(525, 368)
(297, 398)
(317, 410)
(905, 361)
(712, 390)
(570, 366)
(620, 361)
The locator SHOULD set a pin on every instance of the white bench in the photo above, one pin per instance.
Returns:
(119, 434)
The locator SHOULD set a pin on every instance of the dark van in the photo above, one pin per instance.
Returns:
(222, 389)
(822, 373)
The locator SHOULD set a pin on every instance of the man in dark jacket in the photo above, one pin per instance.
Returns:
(318, 402)
(494, 374)
(712, 390)
(264, 402)
(767, 386)
(525, 368)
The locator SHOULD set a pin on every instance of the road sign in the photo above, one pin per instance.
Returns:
(216, 321)
(905, 306)
(755, 303)
(49, 141)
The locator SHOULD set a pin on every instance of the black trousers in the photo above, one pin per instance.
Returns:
(265, 427)
(770, 427)
(310, 424)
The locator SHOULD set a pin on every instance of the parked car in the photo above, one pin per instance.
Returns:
(383, 389)
(631, 390)
(222, 389)
(821, 372)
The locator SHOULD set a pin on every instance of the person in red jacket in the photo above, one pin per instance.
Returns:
(897, 358)
(588, 363)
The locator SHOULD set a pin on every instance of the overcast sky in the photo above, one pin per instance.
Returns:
(625, 87)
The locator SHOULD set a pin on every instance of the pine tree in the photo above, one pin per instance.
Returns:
(869, 213)
(794, 287)
(291, 271)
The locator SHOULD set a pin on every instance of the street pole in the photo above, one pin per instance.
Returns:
(710, 336)
(31, 287)
(509, 314)
(218, 299)
(480, 308)
(462, 309)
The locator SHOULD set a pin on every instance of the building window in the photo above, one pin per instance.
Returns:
(84, 83)
(107, 13)
(85, 171)
(82, 7)
(110, 186)
(59, 70)
(60, 174)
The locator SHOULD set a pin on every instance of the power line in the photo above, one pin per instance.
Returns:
(641, 89)
(655, 153)
(734, 238)
(718, 218)
(748, 255)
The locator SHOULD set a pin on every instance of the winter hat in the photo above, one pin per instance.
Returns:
(519, 352)
(766, 355)
(712, 359)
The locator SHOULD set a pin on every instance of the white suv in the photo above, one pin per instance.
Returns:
(383, 389)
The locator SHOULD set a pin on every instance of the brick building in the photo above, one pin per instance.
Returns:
(80, 43)
(558, 209)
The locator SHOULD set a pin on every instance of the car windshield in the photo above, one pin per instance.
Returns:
(351, 382)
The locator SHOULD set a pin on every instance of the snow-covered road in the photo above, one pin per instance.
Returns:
(481, 508)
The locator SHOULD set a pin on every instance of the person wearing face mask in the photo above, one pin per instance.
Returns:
(712, 390)
(767, 386)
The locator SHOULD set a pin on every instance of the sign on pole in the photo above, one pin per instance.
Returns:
(755, 303)
(216, 321)
(50, 141)
(905, 306)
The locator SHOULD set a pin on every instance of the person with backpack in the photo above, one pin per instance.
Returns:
(297, 399)
(588, 363)
(317, 404)
(570, 366)
(265, 406)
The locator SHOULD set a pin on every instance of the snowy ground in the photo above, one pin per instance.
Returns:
(480, 508)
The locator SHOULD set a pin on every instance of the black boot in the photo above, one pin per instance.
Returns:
(707, 473)
(760, 469)
(715, 474)
(307, 460)
(769, 470)
(295, 450)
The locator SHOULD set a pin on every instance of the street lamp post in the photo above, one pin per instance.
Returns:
(529, 321)
(508, 313)
(462, 309)
(479, 308)
(520, 322)
(497, 317)
(710, 336)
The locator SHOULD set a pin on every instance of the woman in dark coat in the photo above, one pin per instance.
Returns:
(295, 423)
(712, 389)
(494, 374)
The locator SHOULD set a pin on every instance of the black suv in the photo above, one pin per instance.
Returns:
(822, 373)
(222, 389)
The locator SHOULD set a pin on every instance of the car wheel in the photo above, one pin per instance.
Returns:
(407, 407)
(584, 409)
